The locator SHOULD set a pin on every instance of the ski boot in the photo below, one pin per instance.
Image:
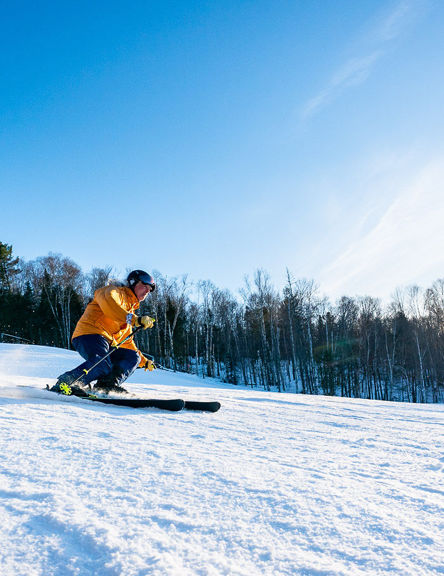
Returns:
(110, 383)
(104, 388)
(69, 384)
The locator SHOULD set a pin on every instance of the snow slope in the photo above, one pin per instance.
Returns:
(272, 484)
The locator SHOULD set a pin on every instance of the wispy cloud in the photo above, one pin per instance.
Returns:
(392, 25)
(358, 68)
(403, 247)
(354, 72)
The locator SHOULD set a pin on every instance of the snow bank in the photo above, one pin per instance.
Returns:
(272, 484)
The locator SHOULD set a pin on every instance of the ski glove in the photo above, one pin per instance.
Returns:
(149, 365)
(144, 321)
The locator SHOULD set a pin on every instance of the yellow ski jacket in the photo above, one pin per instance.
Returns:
(111, 314)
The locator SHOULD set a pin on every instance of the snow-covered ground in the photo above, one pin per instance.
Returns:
(272, 484)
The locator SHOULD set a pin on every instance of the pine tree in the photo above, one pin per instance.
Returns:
(8, 267)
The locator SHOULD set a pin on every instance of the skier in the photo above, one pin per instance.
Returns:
(108, 320)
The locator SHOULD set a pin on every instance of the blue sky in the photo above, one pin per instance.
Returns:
(215, 138)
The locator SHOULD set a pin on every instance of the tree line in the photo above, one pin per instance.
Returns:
(294, 340)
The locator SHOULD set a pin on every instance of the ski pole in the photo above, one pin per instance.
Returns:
(113, 348)
(156, 364)
(162, 367)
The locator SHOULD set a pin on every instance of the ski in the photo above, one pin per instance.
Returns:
(202, 406)
(173, 405)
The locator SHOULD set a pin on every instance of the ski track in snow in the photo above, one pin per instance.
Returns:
(272, 484)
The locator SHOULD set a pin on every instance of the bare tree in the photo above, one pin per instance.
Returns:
(59, 281)
(98, 278)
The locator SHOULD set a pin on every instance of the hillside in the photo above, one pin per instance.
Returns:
(272, 484)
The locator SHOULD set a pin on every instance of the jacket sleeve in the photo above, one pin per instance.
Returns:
(111, 304)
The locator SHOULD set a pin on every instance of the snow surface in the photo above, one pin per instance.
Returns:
(272, 484)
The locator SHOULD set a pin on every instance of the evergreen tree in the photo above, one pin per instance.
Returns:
(8, 267)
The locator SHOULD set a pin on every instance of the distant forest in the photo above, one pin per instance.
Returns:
(295, 341)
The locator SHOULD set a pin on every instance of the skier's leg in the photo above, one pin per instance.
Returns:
(124, 362)
(92, 347)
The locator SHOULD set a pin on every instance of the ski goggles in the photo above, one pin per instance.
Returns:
(148, 281)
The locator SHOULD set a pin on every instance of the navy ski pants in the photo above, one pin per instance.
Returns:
(122, 362)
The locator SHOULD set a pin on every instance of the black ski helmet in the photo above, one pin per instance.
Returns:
(140, 276)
